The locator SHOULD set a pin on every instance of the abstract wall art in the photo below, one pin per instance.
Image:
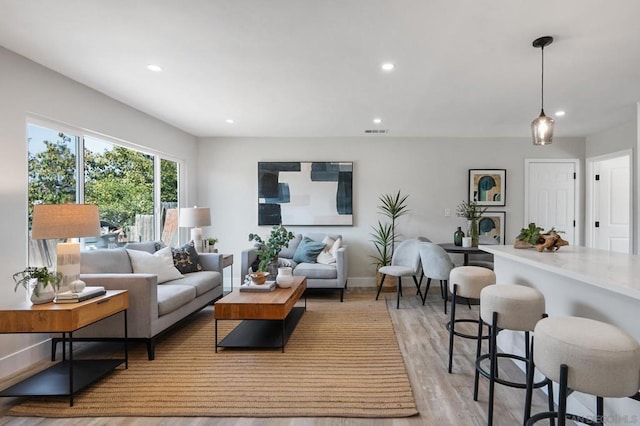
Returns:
(305, 193)
(491, 226)
(488, 187)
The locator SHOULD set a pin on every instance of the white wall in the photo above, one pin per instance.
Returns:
(29, 89)
(619, 138)
(433, 171)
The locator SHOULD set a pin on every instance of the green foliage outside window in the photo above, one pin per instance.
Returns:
(119, 180)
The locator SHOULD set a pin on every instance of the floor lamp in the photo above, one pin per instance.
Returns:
(195, 218)
(65, 221)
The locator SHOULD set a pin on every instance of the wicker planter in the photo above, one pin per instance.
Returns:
(389, 282)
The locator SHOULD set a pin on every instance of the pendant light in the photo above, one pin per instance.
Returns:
(542, 127)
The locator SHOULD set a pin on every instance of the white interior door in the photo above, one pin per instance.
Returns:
(550, 196)
(609, 200)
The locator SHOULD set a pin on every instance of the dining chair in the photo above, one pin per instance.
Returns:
(404, 263)
(436, 264)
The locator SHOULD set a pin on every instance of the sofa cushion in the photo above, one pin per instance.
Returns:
(186, 259)
(288, 252)
(308, 250)
(159, 263)
(316, 270)
(330, 252)
(105, 261)
(148, 246)
(172, 296)
(202, 281)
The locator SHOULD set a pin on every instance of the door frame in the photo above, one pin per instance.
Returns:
(589, 193)
(577, 196)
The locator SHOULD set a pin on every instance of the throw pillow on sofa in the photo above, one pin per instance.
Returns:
(186, 259)
(328, 255)
(159, 263)
(308, 251)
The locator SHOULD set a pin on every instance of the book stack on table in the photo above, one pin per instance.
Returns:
(88, 293)
(258, 288)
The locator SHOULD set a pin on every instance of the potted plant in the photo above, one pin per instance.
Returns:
(211, 242)
(41, 278)
(268, 250)
(472, 212)
(384, 234)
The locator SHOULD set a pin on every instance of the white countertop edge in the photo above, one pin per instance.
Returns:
(628, 286)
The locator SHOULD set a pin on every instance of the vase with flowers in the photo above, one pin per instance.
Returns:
(472, 212)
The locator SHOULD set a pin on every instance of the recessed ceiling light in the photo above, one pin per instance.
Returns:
(229, 120)
(388, 66)
(154, 68)
(377, 120)
(560, 113)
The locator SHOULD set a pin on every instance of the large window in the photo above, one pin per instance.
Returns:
(135, 191)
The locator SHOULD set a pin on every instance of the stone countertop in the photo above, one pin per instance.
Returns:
(617, 272)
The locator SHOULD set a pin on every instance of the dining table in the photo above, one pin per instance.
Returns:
(465, 251)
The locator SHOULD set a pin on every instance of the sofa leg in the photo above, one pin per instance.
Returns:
(341, 295)
(151, 350)
(54, 345)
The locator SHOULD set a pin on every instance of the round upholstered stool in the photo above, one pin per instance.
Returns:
(586, 356)
(466, 281)
(507, 307)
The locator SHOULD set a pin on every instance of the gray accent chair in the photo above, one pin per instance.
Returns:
(404, 263)
(436, 264)
(319, 276)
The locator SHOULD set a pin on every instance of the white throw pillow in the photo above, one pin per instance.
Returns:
(335, 247)
(328, 255)
(159, 263)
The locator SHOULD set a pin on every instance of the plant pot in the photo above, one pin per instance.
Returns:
(41, 294)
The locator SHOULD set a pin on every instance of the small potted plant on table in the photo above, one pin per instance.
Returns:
(43, 282)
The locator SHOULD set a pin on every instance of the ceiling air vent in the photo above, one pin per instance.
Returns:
(376, 131)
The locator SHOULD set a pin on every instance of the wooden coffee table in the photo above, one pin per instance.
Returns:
(269, 318)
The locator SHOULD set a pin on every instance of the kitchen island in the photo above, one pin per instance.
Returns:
(577, 281)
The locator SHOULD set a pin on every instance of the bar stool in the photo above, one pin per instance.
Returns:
(586, 356)
(466, 281)
(507, 307)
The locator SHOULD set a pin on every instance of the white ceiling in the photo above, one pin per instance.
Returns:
(312, 67)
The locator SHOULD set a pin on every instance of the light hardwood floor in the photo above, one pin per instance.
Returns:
(441, 398)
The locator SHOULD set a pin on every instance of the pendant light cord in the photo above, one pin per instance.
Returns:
(542, 81)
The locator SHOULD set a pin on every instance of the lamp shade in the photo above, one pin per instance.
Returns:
(53, 221)
(194, 217)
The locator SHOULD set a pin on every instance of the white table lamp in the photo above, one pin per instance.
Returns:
(194, 218)
(64, 221)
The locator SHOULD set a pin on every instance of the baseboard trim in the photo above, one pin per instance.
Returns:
(24, 358)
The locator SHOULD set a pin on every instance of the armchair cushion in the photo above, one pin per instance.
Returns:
(308, 250)
(328, 255)
(290, 250)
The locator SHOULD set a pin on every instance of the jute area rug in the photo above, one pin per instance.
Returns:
(342, 360)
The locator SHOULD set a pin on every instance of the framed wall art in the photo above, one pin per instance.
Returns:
(487, 187)
(305, 193)
(491, 227)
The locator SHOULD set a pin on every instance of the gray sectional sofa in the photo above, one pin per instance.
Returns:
(319, 276)
(153, 307)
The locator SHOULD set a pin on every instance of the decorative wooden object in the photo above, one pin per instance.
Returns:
(551, 241)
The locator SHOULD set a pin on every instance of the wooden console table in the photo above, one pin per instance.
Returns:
(68, 376)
